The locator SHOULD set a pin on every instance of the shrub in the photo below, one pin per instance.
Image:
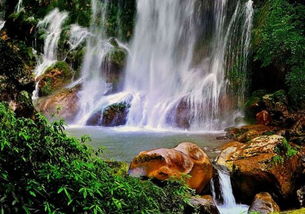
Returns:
(279, 40)
(43, 170)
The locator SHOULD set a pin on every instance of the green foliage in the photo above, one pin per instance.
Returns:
(42, 170)
(296, 82)
(279, 40)
(283, 150)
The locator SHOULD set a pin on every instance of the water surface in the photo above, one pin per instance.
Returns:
(122, 144)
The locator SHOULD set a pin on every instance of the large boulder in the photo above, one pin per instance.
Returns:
(264, 204)
(54, 78)
(202, 205)
(186, 159)
(63, 104)
(264, 164)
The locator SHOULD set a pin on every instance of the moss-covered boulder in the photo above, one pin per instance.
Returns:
(113, 115)
(55, 77)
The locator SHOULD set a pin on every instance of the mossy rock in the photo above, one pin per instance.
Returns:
(54, 78)
(113, 115)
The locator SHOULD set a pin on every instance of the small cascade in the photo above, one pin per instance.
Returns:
(229, 205)
(2, 23)
(52, 24)
(19, 6)
(78, 35)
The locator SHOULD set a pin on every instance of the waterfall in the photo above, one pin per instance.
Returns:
(178, 72)
(52, 24)
(229, 205)
(166, 70)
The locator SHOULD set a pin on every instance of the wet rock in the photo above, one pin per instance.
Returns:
(180, 115)
(63, 104)
(246, 133)
(186, 159)
(113, 115)
(203, 205)
(55, 78)
(301, 196)
(253, 169)
(263, 118)
(264, 204)
(113, 66)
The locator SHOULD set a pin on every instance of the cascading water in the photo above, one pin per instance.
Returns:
(178, 69)
(52, 24)
(179, 55)
(94, 86)
(229, 205)
(2, 22)
(19, 6)
(78, 35)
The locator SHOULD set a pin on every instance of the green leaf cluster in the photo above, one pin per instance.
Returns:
(283, 151)
(42, 170)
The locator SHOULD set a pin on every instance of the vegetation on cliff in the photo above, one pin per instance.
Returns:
(279, 48)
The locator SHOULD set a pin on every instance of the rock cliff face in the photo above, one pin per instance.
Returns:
(16, 79)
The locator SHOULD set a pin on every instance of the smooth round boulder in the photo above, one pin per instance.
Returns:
(263, 203)
(186, 159)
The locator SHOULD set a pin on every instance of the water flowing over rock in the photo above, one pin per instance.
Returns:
(223, 196)
(185, 159)
(52, 24)
(179, 61)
